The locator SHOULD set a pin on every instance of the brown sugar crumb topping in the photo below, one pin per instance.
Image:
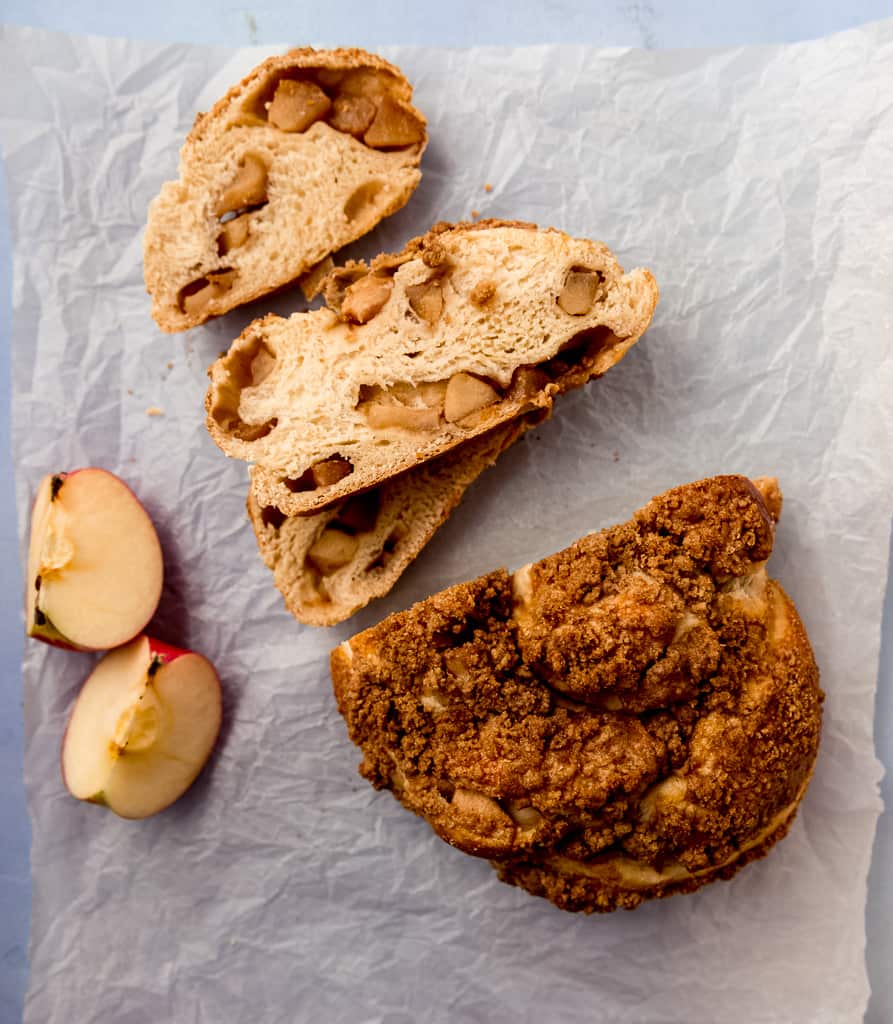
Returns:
(633, 716)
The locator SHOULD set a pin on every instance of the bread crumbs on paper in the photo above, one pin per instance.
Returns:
(153, 410)
(488, 187)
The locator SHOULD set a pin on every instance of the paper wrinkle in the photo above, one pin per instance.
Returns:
(757, 185)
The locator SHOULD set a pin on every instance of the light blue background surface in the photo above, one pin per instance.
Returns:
(661, 23)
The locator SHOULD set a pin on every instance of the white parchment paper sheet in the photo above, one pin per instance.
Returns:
(757, 184)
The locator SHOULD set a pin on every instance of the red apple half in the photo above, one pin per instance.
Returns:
(94, 562)
(142, 728)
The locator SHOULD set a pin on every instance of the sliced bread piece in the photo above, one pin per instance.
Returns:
(470, 326)
(329, 565)
(635, 716)
(307, 153)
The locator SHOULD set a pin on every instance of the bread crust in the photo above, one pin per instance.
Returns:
(633, 717)
(408, 510)
(181, 240)
(320, 358)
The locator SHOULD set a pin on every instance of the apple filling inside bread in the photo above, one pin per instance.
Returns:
(366, 103)
(337, 544)
(470, 326)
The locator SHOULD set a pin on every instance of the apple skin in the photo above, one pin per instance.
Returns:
(194, 691)
(45, 630)
(166, 652)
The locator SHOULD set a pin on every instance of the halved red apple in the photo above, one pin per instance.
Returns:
(94, 562)
(142, 728)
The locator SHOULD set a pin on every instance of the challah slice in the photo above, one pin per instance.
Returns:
(307, 153)
(329, 565)
(470, 326)
(632, 717)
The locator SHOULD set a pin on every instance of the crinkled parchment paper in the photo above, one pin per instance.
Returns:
(757, 184)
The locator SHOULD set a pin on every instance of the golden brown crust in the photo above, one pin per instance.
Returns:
(607, 761)
(769, 491)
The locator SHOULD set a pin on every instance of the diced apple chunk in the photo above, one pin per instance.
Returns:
(466, 394)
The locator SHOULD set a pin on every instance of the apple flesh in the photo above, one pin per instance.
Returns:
(142, 728)
(94, 562)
